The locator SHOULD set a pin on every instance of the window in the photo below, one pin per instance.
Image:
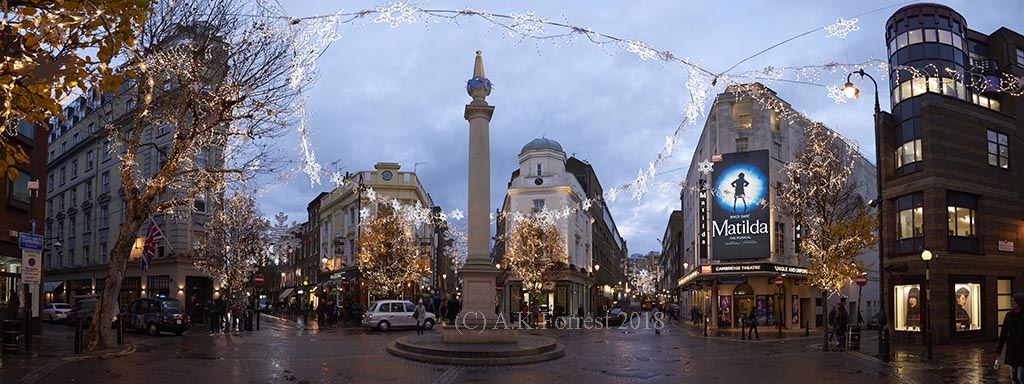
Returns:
(88, 190)
(90, 159)
(106, 150)
(104, 219)
(907, 303)
(87, 222)
(200, 204)
(741, 114)
(1020, 56)
(538, 169)
(962, 211)
(780, 238)
(17, 190)
(998, 150)
(63, 201)
(158, 286)
(909, 222)
(742, 144)
(74, 169)
(908, 153)
(74, 140)
(50, 181)
(775, 121)
(28, 129)
(967, 307)
(63, 175)
(352, 215)
(1004, 294)
(74, 196)
(105, 180)
(538, 205)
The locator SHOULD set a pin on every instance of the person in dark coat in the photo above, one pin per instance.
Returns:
(1012, 336)
(752, 325)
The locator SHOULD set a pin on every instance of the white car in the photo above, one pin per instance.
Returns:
(56, 311)
(385, 314)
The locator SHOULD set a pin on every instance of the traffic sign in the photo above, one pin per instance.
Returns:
(31, 261)
(30, 241)
(779, 281)
(862, 279)
(258, 279)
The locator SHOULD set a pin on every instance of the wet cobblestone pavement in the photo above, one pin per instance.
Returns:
(288, 352)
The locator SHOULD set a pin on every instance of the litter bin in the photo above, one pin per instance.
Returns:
(247, 322)
(11, 329)
(853, 339)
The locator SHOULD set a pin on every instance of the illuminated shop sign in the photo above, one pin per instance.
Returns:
(755, 267)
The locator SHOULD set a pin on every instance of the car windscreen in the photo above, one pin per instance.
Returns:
(62, 306)
(170, 304)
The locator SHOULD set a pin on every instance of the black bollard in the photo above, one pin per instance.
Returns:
(120, 332)
(807, 330)
(78, 337)
(705, 326)
(258, 313)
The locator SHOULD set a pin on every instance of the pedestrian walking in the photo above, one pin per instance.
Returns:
(420, 314)
(1012, 336)
(832, 315)
(842, 322)
(752, 324)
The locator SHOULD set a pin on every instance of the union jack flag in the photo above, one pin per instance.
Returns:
(153, 236)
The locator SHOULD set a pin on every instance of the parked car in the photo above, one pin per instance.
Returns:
(386, 314)
(84, 310)
(154, 315)
(617, 316)
(56, 311)
(873, 323)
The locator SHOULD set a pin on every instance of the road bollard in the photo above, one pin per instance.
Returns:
(705, 326)
(807, 328)
(120, 332)
(78, 337)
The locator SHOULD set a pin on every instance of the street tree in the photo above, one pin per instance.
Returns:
(235, 243)
(217, 76)
(387, 253)
(535, 253)
(52, 49)
(823, 195)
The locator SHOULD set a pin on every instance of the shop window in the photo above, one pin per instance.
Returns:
(1004, 294)
(998, 150)
(158, 286)
(909, 223)
(966, 307)
(907, 303)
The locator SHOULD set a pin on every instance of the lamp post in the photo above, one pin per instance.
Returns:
(852, 92)
(926, 255)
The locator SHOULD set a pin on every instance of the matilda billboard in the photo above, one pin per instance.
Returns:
(739, 211)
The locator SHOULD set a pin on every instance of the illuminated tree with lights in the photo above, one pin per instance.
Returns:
(535, 253)
(822, 194)
(51, 49)
(218, 77)
(235, 243)
(388, 256)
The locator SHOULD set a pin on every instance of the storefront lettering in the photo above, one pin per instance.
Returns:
(746, 227)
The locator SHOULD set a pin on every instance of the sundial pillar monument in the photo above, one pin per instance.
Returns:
(477, 322)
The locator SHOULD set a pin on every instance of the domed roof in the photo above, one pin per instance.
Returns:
(542, 143)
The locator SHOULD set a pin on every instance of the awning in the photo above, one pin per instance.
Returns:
(49, 286)
(287, 292)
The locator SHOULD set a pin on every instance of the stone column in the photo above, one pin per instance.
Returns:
(479, 274)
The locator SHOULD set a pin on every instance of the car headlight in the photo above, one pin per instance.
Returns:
(367, 317)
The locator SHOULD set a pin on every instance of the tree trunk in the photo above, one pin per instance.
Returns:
(99, 334)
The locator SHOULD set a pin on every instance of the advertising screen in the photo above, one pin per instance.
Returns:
(740, 212)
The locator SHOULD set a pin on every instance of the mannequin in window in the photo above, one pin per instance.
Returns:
(963, 319)
(913, 308)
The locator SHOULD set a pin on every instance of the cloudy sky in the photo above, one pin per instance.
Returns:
(397, 94)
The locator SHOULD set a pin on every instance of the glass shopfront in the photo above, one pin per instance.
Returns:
(907, 302)
(966, 307)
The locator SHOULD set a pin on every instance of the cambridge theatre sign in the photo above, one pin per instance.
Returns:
(715, 269)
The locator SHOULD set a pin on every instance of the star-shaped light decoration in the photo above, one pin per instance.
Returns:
(371, 194)
(705, 167)
(364, 213)
(456, 214)
(836, 94)
(841, 28)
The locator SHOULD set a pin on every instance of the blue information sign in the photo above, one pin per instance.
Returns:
(30, 241)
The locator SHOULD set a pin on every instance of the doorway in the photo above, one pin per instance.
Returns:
(743, 299)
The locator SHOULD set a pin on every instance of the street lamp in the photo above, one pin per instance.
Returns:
(852, 92)
(926, 255)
